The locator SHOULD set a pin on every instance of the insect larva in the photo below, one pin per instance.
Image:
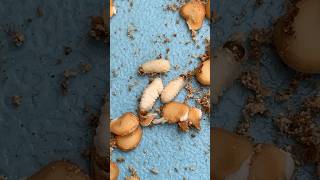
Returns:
(150, 95)
(172, 89)
(155, 66)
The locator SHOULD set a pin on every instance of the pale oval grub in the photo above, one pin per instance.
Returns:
(125, 124)
(114, 171)
(194, 117)
(203, 73)
(150, 95)
(194, 13)
(172, 89)
(155, 66)
(130, 141)
(174, 112)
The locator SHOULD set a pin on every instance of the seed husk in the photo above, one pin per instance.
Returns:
(129, 142)
(194, 13)
(125, 124)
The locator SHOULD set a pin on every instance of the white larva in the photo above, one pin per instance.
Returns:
(150, 95)
(155, 66)
(172, 89)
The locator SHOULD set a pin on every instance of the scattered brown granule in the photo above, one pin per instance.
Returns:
(85, 68)
(120, 160)
(258, 38)
(99, 28)
(18, 38)
(67, 75)
(154, 171)
(16, 100)
(285, 94)
(204, 101)
(251, 80)
(255, 105)
(303, 128)
(67, 50)
(131, 30)
(172, 7)
(190, 91)
(134, 174)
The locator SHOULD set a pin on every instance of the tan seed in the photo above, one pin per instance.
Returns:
(194, 13)
(203, 73)
(125, 124)
(129, 142)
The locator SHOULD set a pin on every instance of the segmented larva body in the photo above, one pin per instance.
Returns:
(172, 89)
(150, 95)
(155, 66)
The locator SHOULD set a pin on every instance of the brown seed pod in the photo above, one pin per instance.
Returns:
(231, 153)
(114, 171)
(172, 89)
(63, 170)
(174, 112)
(129, 142)
(203, 73)
(296, 37)
(150, 95)
(125, 124)
(270, 162)
(155, 66)
(237, 159)
(194, 117)
(194, 13)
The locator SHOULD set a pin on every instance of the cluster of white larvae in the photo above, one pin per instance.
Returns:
(127, 128)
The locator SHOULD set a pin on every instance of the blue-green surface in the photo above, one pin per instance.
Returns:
(47, 126)
(163, 147)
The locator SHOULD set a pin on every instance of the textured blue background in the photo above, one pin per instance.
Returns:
(242, 16)
(47, 126)
(162, 147)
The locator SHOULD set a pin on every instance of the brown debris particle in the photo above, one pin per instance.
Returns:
(251, 80)
(85, 68)
(134, 174)
(255, 105)
(16, 100)
(18, 38)
(154, 171)
(285, 94)
(302, 126)
(67, 50)
(120, 160)
(258, 39)
(204, 101)
(99, 28)
(131, 30)
(67, 75)
(172, 7)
